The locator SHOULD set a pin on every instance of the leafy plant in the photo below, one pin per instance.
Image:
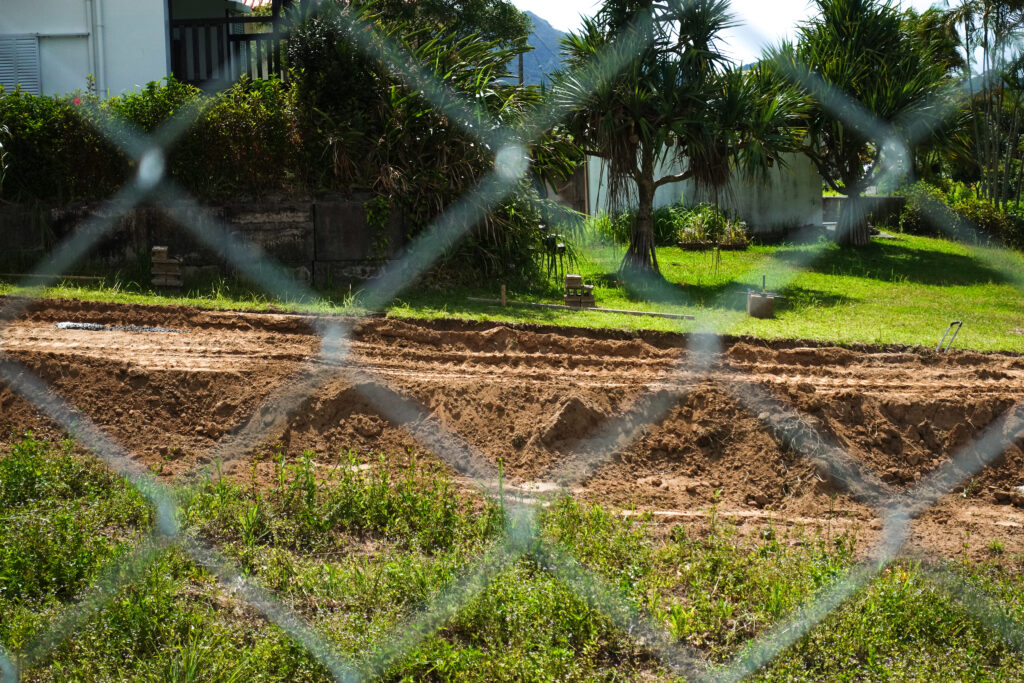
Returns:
(4, 133)
(708, 223)
(959, 213)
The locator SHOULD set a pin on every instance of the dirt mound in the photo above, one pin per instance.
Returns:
(573, 419)
(782, 429)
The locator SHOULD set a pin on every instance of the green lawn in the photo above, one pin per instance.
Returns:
(902, 291)
(360, 549)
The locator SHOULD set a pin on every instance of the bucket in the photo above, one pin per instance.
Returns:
(760, 305)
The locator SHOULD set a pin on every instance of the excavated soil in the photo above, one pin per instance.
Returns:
(782, 434)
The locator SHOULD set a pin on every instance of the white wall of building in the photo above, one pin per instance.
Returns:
(123, 43)
(791, 197)
(58, 58)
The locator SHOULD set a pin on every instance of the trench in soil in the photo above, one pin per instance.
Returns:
(778, 433)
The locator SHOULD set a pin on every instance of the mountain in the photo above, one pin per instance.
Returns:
(546, 55)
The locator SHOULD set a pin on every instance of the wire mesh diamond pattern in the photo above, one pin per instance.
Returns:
(522, 536)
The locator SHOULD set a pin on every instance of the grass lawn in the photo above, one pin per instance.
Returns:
(902, 291)
(360, 549)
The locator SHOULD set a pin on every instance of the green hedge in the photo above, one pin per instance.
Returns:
(344, 124)
(53, 153)
(70, 148)
(956, 211)
(252, 140)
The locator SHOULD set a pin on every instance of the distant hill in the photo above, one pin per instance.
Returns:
(546, 55)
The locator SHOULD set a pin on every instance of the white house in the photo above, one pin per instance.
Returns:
(52, 46)
(790, 198)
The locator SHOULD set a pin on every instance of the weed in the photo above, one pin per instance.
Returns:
(360, 547)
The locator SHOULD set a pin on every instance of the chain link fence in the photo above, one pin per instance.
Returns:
(151, 184)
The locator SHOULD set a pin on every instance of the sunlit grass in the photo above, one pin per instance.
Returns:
(359, 545)
(904, 291)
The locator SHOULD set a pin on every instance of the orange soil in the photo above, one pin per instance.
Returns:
(768, 433)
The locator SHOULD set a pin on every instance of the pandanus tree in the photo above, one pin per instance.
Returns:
(647, 84)
(875, 92)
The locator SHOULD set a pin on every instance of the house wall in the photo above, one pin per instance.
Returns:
(791, 197)
(136, 43)
(132, 51)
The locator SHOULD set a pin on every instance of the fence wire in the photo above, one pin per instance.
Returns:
(521, 538)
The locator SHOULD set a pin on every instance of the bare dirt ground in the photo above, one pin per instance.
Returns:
(777, 434)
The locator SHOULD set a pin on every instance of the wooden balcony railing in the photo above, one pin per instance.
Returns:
(208, 52)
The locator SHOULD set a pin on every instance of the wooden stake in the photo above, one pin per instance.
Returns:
(503, 295)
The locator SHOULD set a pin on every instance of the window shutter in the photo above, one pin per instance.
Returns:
(19, 63)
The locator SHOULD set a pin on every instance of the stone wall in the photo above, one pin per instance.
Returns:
(881, 210)
(327, 241)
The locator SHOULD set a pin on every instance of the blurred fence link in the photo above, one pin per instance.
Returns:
(152, 184)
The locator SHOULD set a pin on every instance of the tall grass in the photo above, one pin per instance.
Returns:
(360, 547)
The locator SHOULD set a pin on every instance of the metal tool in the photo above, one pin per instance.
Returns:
(958, 324)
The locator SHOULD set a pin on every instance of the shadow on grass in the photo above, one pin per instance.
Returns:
(894, 262)
(802, 297)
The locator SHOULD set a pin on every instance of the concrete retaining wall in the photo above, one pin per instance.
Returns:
(327, 241)
(881, 210)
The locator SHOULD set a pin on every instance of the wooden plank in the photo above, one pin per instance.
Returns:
(671, 316)
(208, 35)
(195, 55)
(58, 278)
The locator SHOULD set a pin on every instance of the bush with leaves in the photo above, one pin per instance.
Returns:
(243, 142)
(956, 211)
(344, 124)
(703, 223)
(53, 150)
(246, 142)
(365, 130)
(707, 223)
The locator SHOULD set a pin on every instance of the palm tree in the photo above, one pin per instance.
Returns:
(871, 84)
(673, 96)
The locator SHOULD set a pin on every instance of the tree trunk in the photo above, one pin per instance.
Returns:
(852, 229)
(640, 258)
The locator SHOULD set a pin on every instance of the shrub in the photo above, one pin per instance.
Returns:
(345, 124)
(708, 223)
(242, 142)
(364, 129)
(673, 224)
(53, 150)
(157, 102)
(958, 213)
(246, 142)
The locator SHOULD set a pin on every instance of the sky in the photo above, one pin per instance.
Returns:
(762, 22)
